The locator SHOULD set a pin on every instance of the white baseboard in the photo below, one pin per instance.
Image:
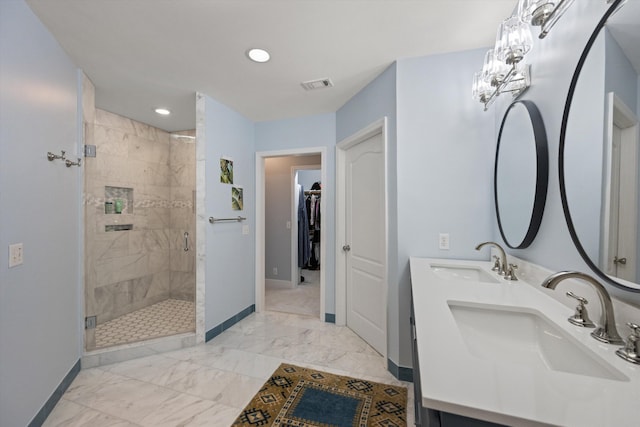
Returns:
(278, 284)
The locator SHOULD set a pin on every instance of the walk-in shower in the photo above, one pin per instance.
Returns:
(139, 231)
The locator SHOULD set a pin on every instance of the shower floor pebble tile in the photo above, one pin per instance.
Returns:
(209, 384)
(167, 317)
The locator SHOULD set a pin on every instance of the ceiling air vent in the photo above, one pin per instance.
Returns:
(317, 84)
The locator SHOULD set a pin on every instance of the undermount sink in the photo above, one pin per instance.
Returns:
(463, 272)
(526, 336)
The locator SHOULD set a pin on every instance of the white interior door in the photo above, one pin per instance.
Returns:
(365, 246)
(622, 255)
(614, 203)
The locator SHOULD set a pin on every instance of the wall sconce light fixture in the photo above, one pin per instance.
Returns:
(513, 40)
(542, 13)
(502, 70)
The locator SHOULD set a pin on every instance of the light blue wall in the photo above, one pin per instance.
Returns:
(309, 131)
(40, 340)
(446, 152)
(620, 76)
(584, 152)
(377, 100)
(230, 280)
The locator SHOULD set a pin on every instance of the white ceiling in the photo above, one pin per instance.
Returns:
(141, 54)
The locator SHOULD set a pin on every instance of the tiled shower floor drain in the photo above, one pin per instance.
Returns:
(168, 317)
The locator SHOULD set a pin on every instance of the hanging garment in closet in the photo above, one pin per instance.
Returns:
(308, 203)
(314, 233)
(312, 207)
(316, 216)
(304, 250)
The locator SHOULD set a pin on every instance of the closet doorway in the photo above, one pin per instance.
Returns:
(305, 232)
(289, 250)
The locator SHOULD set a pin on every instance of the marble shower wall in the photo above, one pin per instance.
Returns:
(129, 270)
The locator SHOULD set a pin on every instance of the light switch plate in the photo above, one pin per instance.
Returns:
(245, 230)
(15, 255)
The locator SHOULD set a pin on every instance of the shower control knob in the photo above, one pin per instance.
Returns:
(346, 248)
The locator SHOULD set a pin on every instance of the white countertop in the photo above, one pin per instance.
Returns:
(512, 393)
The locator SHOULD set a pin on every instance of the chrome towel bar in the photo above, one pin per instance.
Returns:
(237, 219)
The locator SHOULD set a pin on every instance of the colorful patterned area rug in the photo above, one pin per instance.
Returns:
(303, 397)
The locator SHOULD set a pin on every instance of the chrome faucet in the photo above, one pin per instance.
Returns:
(502, 265)
(607, 331)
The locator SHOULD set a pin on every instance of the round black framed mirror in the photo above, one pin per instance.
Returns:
(598, 164)
(521, 174)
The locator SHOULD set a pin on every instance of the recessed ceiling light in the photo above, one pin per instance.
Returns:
(162, 111)
(258, 55)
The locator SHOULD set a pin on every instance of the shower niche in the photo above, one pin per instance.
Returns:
(118, 200)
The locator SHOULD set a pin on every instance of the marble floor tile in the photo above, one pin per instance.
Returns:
(157, 369)
(243, 362)
(130, 399)
(206, 383)
(303, 299)
(209, 384)
(176, 411)
(91, 381)
(68, 413)
(198, 354)
(218, 415)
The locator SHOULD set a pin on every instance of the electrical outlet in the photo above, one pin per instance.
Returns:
(275, 271)
(443, 241)
(15, 254)
(245, 230)
(288, 225)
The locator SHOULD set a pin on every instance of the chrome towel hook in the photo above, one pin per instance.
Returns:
(69, 163)
(51, 157)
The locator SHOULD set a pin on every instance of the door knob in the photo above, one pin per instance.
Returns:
(346, 248)
(617, 260)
